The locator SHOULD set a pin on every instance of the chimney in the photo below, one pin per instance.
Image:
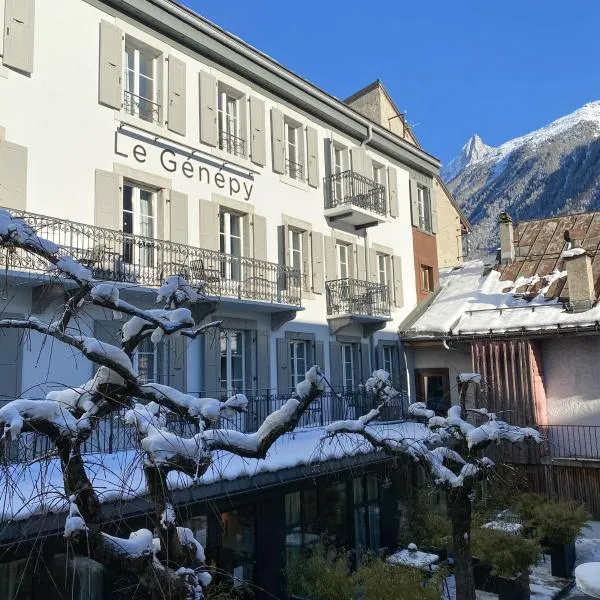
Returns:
(579, 278)
(507, 239)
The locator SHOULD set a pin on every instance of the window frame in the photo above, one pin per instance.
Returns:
(421, 375)
(294, 167)
(233, 141)
(339, 262)
(427, 279)
(160, 361)
(297, 373)
(424, 207)
(231, 269)
(230, 388)
(347, 350)
(139, 255)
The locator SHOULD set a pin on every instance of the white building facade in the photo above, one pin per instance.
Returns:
(149, 142)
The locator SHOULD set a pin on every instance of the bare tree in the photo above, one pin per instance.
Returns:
(449, 449)
(168, 562)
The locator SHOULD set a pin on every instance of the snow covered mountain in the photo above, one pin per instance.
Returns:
(551, 171)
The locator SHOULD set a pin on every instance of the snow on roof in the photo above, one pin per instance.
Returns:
(471, 302)
(37, 488)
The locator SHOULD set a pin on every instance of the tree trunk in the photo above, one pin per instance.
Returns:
(459, 511)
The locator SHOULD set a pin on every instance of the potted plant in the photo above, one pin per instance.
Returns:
(557, 525)
(508, 558)
(525, 505)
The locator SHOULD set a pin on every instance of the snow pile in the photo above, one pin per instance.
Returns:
(140, 543)
(16, 230)
(14, 414)
(419, 409)
(506, 526)
(179, 318)
(74, 523)
(412, 557)
(186, 538)
(469, 378)
(105, 292)
(176, 290)
(572, 252)
(95, 347)
(70, 266)
(587, 577)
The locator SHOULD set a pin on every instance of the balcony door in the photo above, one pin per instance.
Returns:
(229, 128)
(139, 219)
(348, 367)
(140, 97)
(233, 363)
(298, 362)
(231, 243)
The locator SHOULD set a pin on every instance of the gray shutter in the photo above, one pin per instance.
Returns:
(361, 268)
(260, 237)
(179, 217)
(379, 353)
(19, 17)
(177, 97)
(11, 348)
(414, 203)
(318, 266)
(393, 191)
(209, 225)
(13, 175)
(373, 266)
(208, 109)
(110, 91)
(283, 239)
(277, 141)
(212, 363)
(319, 358)
(177, 349)
(258, 151)
(263, 382)
(283, 367)
(330, 259)
(312, 146)
(306, 261)
(434, 214)
(397, 278)
(359, 161)
(107, 201)
(335, 365)
(365, 361)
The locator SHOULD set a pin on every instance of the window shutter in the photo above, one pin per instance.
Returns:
(263, 383)
(11, 344)
(107, 208)
(179, 217)
(209, 225)
(283, 238)
(379, 352)
(13, 175)
(365, 361)
(306, 262)
(312, 145)
(177, 348)
(393, 191)
(212, 363)
(361, 268)
(277, 141)
(330, 259)
(260, 237)
(318, 267)
(414, 203)
(19, 16)
(359, 162)
(335, 366)
(397, 279)
(177, 99)
(434, 215)
(110, 90)
(257, 129)
(319, 358)
(283, 367)
(373, 266)
(208, 109)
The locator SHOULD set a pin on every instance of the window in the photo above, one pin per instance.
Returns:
(432, 387)
(301, 519)
(388, 361)
(382, 268)
(298, 362)
(149, 361)
(378, 174)
(230, 134)
(139, 218)
(140, 91)
(238, 544)
(348, 367)
(295, 249)
(367, 528)
(342, 256)
(230, 240)
(233, 354)
(427, 284)
(424, 204)
(293, 150)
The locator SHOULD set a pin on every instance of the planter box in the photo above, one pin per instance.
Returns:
(562, 559)
(513, 588)
(484, 580)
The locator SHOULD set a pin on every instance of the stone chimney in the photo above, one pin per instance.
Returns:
(507, 239)
(579, 278)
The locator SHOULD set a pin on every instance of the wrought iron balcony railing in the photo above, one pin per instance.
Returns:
(114, 435)
(141, 107)
(356, 297)
(294, 170)
(350, 188)
(232, 144)
(117, 256)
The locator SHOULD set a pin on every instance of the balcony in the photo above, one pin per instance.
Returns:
(354, 200)
(232, 144)
(351, 301)
(141, 107)
(146, 262)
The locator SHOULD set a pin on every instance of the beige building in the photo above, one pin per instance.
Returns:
(375, 103)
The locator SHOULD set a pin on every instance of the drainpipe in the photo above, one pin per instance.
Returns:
(369, 137)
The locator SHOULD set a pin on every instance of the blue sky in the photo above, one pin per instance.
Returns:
(499, 68)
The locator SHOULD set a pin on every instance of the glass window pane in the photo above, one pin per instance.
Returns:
(335, 513)
(357, 487)
(372, 487)
(374, 527)
(146, 65)
(236, 226)
(311, 517)
(127, 194)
